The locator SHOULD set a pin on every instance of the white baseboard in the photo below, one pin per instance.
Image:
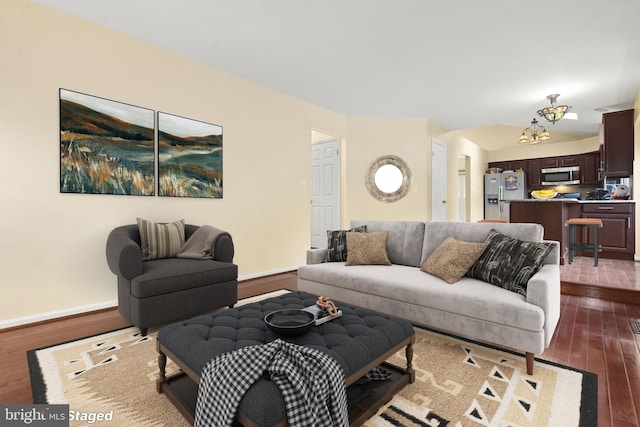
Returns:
(268, 273)
(19, 321)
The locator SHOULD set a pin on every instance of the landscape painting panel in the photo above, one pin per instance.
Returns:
(106, 147)
(189, 157)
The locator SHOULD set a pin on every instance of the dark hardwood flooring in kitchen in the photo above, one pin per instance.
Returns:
(610, 273)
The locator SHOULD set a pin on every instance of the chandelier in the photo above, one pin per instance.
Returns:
(534, 134)
(554, 112)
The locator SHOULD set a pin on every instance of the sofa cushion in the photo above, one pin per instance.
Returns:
(367, 248)
(509, 263)
(452, 259)
(404, 244)
(160, 240)
(436, 232)
(337, 243)
(469, 297)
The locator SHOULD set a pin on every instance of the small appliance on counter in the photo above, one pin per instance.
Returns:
(618, 188)
(598, 194)
(620, 192)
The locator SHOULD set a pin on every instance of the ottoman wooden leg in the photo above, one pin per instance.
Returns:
(162, 374)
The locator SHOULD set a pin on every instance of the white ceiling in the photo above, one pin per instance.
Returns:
(460, 63)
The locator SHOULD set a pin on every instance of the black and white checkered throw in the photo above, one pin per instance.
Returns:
(311, 383)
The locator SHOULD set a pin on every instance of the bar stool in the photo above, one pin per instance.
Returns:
(573, 224)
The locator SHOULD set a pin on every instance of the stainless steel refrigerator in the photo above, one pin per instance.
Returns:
(499, 189)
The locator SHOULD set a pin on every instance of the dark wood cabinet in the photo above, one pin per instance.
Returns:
(590, 174)
(589, 163)
(549, 162)
(617, 135)
(617, 235)
(514, 165)
(509, 165)
(534, 181)
(501, 165)
(569, 160)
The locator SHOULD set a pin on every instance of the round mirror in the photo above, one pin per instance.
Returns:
(388, 178)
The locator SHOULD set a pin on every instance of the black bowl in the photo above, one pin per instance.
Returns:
(289, 322)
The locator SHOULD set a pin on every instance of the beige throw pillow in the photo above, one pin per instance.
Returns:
(367, 248)
(452, 259)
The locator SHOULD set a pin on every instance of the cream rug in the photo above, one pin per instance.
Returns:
(458, 383)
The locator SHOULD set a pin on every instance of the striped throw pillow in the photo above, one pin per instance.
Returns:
(160, 240)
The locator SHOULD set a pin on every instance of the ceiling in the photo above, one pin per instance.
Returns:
(460, 63)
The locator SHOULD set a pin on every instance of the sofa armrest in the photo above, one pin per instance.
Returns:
(224, 250)
(543, 290)
(317, 256)
(124, 255)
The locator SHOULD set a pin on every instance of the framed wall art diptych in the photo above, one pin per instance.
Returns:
(106, 147)
(189, 157)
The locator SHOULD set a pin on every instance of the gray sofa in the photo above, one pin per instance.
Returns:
(166, 290)
(470, 307)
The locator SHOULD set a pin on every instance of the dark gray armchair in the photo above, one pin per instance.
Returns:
(161, 291)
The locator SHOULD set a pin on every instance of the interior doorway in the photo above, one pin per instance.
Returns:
(325, 188)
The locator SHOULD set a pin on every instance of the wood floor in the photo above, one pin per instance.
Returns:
(592, 335)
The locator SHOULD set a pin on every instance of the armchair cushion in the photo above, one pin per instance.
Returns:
(160, 240)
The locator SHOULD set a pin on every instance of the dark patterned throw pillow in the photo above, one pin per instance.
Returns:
(509, 263)
(337, 243)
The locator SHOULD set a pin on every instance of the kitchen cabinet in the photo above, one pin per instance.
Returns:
(501, 165)
(589, 163)
(551, 214)
(514, 165)
(569, 161)
(617, 235)
(590, 173)
(549, 162)
(617, 136)
(509, 165)
(534, 181)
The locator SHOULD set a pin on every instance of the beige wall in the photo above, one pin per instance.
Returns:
(369, 139)
(52, 248)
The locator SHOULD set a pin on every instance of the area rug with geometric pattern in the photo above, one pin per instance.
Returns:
(458, 383)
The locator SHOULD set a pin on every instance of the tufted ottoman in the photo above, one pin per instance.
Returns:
(359, 341)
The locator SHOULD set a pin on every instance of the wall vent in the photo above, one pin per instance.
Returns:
(635, 325)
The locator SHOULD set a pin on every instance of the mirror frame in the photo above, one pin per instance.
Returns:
(371, 175)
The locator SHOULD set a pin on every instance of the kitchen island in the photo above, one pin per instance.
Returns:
(617, 236)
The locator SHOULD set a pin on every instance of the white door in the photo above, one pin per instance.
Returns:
(438, 181)
(325, 199)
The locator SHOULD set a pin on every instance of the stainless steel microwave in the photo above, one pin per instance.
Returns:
(561, 176)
